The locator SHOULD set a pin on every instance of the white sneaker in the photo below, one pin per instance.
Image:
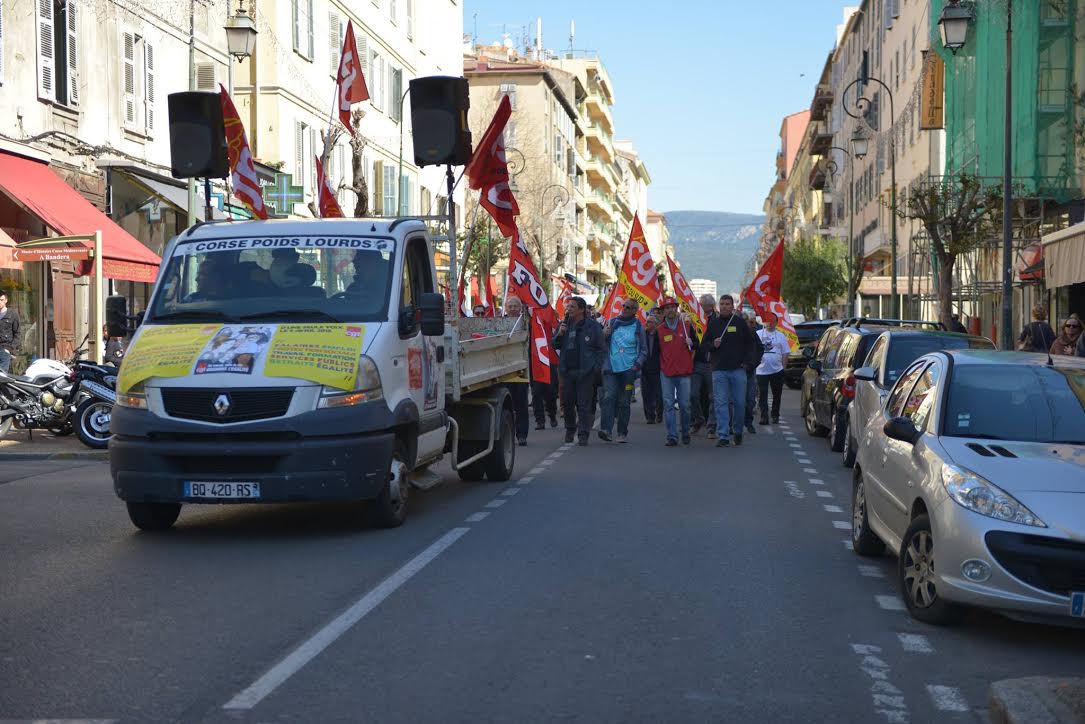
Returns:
(620, 438)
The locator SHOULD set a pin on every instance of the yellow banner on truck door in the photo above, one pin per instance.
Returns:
(324, 353)
(167, 351)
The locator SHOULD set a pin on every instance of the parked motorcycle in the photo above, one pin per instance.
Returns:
(95, 392)
(40, 399)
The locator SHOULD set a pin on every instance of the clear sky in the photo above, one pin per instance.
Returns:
(700, 85)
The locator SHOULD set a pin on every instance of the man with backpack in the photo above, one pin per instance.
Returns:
(626, 352)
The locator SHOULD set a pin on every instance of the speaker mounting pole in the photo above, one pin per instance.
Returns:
(453, 273)
(207, 213)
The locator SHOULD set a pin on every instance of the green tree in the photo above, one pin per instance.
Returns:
(813, 271)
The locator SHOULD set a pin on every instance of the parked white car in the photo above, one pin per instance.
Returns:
(973, 473)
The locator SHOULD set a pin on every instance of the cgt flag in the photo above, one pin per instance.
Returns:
(350, 83)
(563, 298)
(638, 277)
(690, 304)
(329, 205)
(243, 180)
(764, 294)
(612, 305)
(488, 172)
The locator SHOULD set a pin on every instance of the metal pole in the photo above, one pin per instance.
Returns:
(893, 204)
(402, 123)
(192, 87)
(852, 292)
(99, 320)
(452, 261)
(1005, 332)
(208, 215)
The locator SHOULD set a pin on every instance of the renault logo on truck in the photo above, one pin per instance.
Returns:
(222, 405)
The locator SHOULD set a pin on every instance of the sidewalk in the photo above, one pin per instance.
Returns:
(17, 445)
(1038, 700)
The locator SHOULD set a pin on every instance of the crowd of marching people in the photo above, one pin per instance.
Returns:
(688, 381)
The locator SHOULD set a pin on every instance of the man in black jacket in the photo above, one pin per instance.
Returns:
(650, 383)
(579, 340)
(702, 409)
(9, 332)
(731, 338)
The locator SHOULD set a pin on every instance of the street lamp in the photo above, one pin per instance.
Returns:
(860, 145)
(551, 198)
(240, 33)
(851, 217)
(953, 25)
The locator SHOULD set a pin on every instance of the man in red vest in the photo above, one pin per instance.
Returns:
(676, 345)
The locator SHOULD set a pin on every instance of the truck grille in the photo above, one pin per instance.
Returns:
(244, 405)
(1050, 564)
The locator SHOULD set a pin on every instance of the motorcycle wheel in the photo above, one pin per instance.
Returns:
(92, 423)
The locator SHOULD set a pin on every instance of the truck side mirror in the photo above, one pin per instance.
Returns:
(432, 307)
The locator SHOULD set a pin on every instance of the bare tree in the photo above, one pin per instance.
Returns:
(358, 185)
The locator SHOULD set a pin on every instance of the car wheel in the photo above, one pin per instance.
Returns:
(812, 427)
(153, 516)
(848, 453)
(863, 540)
(838, 431)
(916, 568)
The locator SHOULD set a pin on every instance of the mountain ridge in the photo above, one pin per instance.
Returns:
(714, 244)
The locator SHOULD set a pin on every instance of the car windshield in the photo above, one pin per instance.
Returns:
(1028, 403)
(342, 279)
(906, 349)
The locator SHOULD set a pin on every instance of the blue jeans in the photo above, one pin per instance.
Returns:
(729, 389)
(676, 388)
(617, 394)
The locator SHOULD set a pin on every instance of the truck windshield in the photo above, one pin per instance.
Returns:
(266, 279)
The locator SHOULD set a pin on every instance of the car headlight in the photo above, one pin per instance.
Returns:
(367, 387)
(984, 497)
(134, 397)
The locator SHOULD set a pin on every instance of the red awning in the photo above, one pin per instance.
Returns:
(64, 210)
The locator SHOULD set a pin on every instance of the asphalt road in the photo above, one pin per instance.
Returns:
(610, 583)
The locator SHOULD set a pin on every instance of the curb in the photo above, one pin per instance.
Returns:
(90, 455)
(1038, 700)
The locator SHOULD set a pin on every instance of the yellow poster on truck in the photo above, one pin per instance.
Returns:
(327, 354)
(323, 353)
(167, 351)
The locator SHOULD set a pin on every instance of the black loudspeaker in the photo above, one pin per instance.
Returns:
(439, 106)
(197, 136)
(116, 316)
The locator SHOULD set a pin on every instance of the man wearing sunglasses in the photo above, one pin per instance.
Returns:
(626, 351)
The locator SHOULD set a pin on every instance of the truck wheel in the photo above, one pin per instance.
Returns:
(153, 516)
(477, 470)
(501, 461)
(389, 510)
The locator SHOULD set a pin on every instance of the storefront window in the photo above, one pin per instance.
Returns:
(24, 297)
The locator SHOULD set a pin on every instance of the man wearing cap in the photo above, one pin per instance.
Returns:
(676, 345)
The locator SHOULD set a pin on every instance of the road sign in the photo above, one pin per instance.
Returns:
(49, 254)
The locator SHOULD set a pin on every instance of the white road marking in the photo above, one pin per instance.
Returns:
(869, 571)
(887, 699)
(824, 494)
(510, 492)
(477, 517)
(804, 461)
(535, 471)
(811, 471)
(794, 444)
(915, 643)
(526, 480)
(841, 525)
(548, 461)
(311, 648)
(848, 544)
(947, 698)
(554, 456)
(817, 481)
(496, 503)
(833, 509)
(794, 489)
(890, 603)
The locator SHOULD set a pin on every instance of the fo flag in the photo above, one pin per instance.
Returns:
(488, 172)
(329, 205)
(638, 277)
(686, 297)
(350, 84)
(243, 179)
(563, 298)
(764, 294)
(524, 283)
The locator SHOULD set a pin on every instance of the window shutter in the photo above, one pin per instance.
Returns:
(315, 149)
(294, 22)
(128, 45)
(378, 188)
(148, 88)
(363, 54)
(299, 154)
(397, 94)
(46, 71)
(404, 195)
(309, 28)
(390, 98)
(1, 43)
(335, 34)
(72, 36)
(410, 19)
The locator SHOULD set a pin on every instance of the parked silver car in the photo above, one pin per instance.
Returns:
(974, 474)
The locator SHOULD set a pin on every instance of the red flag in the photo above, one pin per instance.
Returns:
(612, 307)
(638, 276)
(350, 83)
(523, 282)
(329, 205)
(543, 356)
(490, 300)
(243, 179)
(767, 282)
(488, 172)
(563, 298)
(690, 304)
